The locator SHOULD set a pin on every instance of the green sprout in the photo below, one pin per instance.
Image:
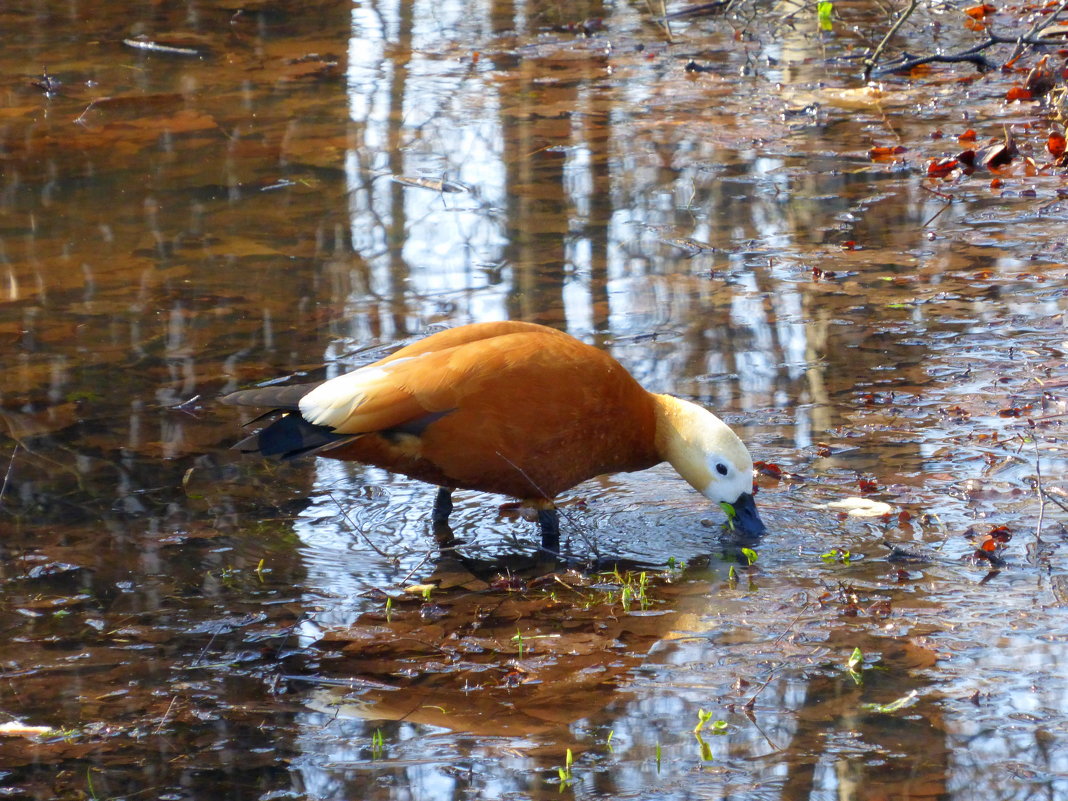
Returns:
(705, 748)
(717, 727)
(565, 772)
(731, 514)
(824, 9)
(702, 718)
(675, 565)
(854, 664)
(836, 555)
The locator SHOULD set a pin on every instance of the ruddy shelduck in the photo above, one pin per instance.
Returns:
(512, 408)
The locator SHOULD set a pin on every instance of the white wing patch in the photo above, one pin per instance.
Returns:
(335, 401)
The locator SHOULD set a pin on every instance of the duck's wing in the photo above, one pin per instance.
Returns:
(468, 334)
(477, 369)
(415, 387)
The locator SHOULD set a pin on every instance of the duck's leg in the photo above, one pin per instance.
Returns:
(549, 523)
(439, 518)
(442, 507)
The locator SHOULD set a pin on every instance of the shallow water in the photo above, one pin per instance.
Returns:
(190, 623)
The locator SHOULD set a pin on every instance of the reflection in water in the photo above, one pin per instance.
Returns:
(175, 228)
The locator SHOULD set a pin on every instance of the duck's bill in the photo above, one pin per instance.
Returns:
(746, 519)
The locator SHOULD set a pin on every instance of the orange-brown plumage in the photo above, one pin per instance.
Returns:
(511, 408)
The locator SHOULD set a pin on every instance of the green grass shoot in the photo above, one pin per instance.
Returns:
(893, 706)
(824, 9)
(854, 664)
(565, 772)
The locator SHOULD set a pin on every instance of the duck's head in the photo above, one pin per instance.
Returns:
(711, 457)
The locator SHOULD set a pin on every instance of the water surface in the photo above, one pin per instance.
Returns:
(176, 224)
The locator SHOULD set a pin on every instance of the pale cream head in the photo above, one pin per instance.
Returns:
(703, 449)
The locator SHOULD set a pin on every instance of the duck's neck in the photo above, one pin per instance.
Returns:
(685, 436)
(674, 418)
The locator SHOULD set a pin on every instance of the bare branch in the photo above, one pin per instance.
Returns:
(869, 63)
(1029, 38)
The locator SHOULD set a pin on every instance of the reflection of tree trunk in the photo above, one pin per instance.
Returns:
(395, 234)
(536, 196)
(600, 217)
(539, 209)
(821, 412)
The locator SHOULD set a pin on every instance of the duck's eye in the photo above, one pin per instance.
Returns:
(721, 469)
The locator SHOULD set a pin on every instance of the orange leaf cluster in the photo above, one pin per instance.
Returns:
(1055, 144)
(878, 153)
(980, 11)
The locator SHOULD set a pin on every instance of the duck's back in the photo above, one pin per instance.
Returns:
(514, 408)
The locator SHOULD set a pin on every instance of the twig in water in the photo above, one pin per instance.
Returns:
(936, 193)
(80, 119)
(797, 617)
(1028, 38)
(7, 474)
(667, 22)
(869, 63)
(539, 490)
(350, 521)
(1051, 497)
(207, 645)
(935, 216)
(1038, 486)
(748, 706)
(664, 22)
(166, 714)
(423, 561)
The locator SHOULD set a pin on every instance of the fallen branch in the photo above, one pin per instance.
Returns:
(908, 63)
(869, 63)
(1040, 24)
(702, 10)
(972, 55)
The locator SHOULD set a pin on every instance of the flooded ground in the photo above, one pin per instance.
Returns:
(200, 197)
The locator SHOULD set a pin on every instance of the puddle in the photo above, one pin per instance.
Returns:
(307, 188)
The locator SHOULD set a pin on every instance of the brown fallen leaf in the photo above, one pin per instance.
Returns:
(941, 168)
(1055, 144)
(980, 11)
(1041, 79)
(885, 153)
